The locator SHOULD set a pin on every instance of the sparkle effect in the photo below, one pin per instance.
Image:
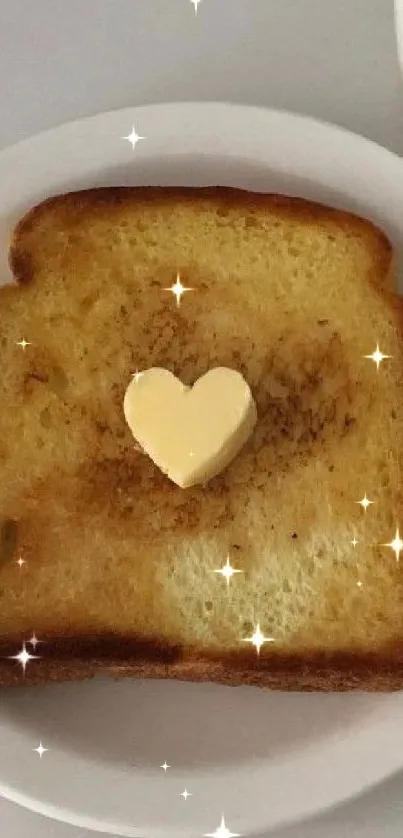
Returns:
(137, 375)
(222, 832)
(195, 3)
(365, 503)
(165, 766)
(258, 639)
(40, 750)
(359, 584)
(23, 657)
(23, 343)
(178, 289)
(396, 545)
(354, 542)
(227, 571)
(377, 356)
(185, 794)
(133, 138)
(20, 562)
(33, 641)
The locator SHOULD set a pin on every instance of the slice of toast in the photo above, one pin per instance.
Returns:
(117, 565)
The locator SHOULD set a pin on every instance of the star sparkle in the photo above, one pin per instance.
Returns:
(40, 750)
(222, 831)
(33, 641)
(196, 4)
(133, 138)
(185, 794)
(258, 639)
(165, 766)
(377, 356)
(137, 375)
(354, 542)
(23, 343)
(365, 503)
(396, 545)
(23, 657)
(227, 571)
(178, 289)
(20, 562)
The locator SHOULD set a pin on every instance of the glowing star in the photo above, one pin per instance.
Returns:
(20, 562)
(227, 571)
(396, 545)
(178, 289)
(195, 3)
(33, 641)
(185, 794)
(354, 542)
(365, 503)
(136, 375)
(165, 766)
(23, 657)
(359, 584)
(133, 138)
(258, 639)
(222, 832)
(40, 750)
(23, 343)
(377, 356)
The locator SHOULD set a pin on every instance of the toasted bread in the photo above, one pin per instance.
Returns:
(119, 562)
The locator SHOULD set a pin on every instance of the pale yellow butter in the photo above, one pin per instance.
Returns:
(191, 433)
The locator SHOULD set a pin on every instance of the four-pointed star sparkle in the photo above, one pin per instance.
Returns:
(20, 562)
(23, 343)
(178, 289)
(258, 639)
(222, 832)
(34, 641)
(165, 766)
(227, 571)
(377, 356)
(396, 545)
(23, 657)
(137, 375)
(40, 750)
(185, 794)
(365, 503)
(133, 138)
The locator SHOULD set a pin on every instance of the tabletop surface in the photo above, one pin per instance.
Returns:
(333, 60)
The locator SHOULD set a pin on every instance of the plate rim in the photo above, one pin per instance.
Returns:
(316, 126)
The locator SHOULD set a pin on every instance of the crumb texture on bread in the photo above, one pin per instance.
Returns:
(292, 295)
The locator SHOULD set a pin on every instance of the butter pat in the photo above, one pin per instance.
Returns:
(190, 433)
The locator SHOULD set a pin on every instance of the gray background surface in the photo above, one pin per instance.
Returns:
(333, 59)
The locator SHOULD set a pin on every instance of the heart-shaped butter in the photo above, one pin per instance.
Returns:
(191, 433)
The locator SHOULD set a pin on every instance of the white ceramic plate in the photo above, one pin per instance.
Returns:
(259, 759)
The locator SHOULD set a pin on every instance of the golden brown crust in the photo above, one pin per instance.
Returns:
(76, 659)
(110, 198)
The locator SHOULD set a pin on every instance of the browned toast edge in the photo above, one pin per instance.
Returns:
(66, 659)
